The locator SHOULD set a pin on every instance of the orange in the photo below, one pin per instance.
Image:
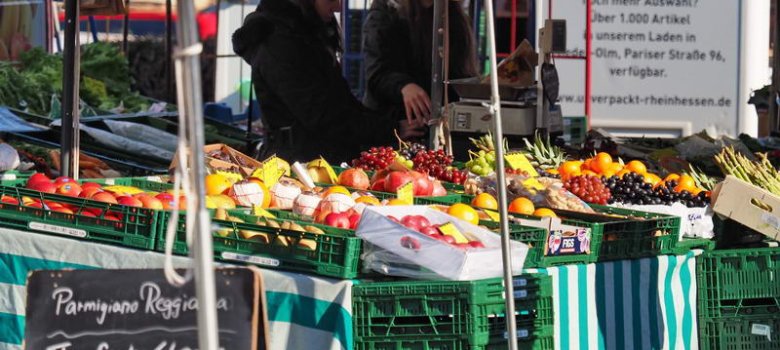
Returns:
(216, 184)
(671, 177)
(622, 172)
(589, 173)
(586, 165)
(266, 193)
(464, 212)
(367, 200)
(601, 163)
(615, 167)
(485, 201)
(685, 183)
(696, 191)
(636, 166)
(544, 212)
(569, 167)
(336, 189)
(521, 205)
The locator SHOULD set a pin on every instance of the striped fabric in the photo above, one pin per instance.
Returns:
(310, 310)
(630, 304)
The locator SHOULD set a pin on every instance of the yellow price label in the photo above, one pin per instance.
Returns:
(270, 172)
(518, 161)
(259, 211)
(533, 183)
(493, 215)
(232, 176)
(406, 192)
(450, 229)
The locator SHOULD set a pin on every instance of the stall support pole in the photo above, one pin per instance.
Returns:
(69, 156)
(495, 110)
(775, 86)
(169, 48)
(126, 29)
(437, 86)
(191, 105)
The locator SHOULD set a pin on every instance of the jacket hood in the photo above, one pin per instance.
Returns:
(260, 24)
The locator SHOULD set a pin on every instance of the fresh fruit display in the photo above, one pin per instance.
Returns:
(377, 158)
(588, 188)
(634, 188)
(481, 163)
(421, 224)
(543, 155)
(760, 173)
(409, 150)
(434, 163)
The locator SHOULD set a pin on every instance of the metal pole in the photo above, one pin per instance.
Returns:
(775, 86)
(69, 157)
(437, 86)
(495, 109)
(191, 105)
(588, 61)
(126, 28)
(169, 48)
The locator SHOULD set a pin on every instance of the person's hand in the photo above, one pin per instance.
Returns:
(407, 131)
(417, 104)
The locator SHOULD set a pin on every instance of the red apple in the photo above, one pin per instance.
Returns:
(69, 189)
(476, 244)
(87, 185)
(338, 220)
(353, 221)
(87, 213)
(63, 210)
(396, 179)
(63, 179)
(429, 231)
(36, 204)
(462, 245)
(41, 186)
(105, 197)
(423, 186)
(151, 202)
(446, 239)
(9, 200)
(378, 186)
(89, 192)
(111, 217)
(393, 218)
(166, 199)
(129, 201)
(415, 222)
(37, 177)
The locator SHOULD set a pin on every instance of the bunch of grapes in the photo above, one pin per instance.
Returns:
(453, 175)
(376, 158)
(633, 189)
(589, 188)
(433, 163)
(410, 151)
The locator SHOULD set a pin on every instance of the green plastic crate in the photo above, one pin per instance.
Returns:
(135, 227)
(738, 333)
(468, 313)
(536, 239)
(739, 282)
(687, 244)
(337, 253)
(149, 183)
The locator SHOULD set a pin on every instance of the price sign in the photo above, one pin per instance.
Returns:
(270, 172)
(260, 212)
(492, 214)
(406, 192)
(232, 176)
(518, 161)
(450, 229)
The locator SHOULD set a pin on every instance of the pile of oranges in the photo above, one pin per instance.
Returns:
(603, 166)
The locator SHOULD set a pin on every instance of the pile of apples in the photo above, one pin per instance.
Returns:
(421, 224)
(390, 181)
(89, 190)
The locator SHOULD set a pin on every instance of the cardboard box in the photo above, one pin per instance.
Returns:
(749, 205)
(519, 68)
(236, 161)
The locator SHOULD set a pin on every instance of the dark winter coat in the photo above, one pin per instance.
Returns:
(394, 56)
(307, 106)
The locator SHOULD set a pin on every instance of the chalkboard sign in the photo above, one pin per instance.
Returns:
(138, 309)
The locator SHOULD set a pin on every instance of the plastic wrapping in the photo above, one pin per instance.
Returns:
(9, 158)
(396, 250)
(694, 222)
(542, 191)
(143, 133)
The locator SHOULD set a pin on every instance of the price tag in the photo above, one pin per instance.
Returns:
(450, 229)
(492, 214)
(532, 182)
(259, 211)
(406, 192)
(517, 160)
(270, 172)
(233, 177)
(762, 329)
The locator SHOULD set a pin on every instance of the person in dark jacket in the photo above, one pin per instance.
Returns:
(397, 42)
(307, 106)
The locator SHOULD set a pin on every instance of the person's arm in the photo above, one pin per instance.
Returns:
(318, 102)
(386, 67)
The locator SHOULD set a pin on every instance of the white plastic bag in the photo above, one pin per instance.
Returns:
(9, 157)
(396, 250)
(694, 222)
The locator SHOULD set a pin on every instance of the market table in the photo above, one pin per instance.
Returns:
(302, 310)
(631, 304)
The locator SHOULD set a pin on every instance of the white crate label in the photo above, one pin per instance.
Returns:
(520, 282)
(57, 229)
(520, 294)
(762, 329)
(771, 220)
(250, 259)
(521, 333)
(8, 177)
(110, 182)
(154, 178)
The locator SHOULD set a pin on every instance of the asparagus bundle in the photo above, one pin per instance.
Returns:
(760, 173)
